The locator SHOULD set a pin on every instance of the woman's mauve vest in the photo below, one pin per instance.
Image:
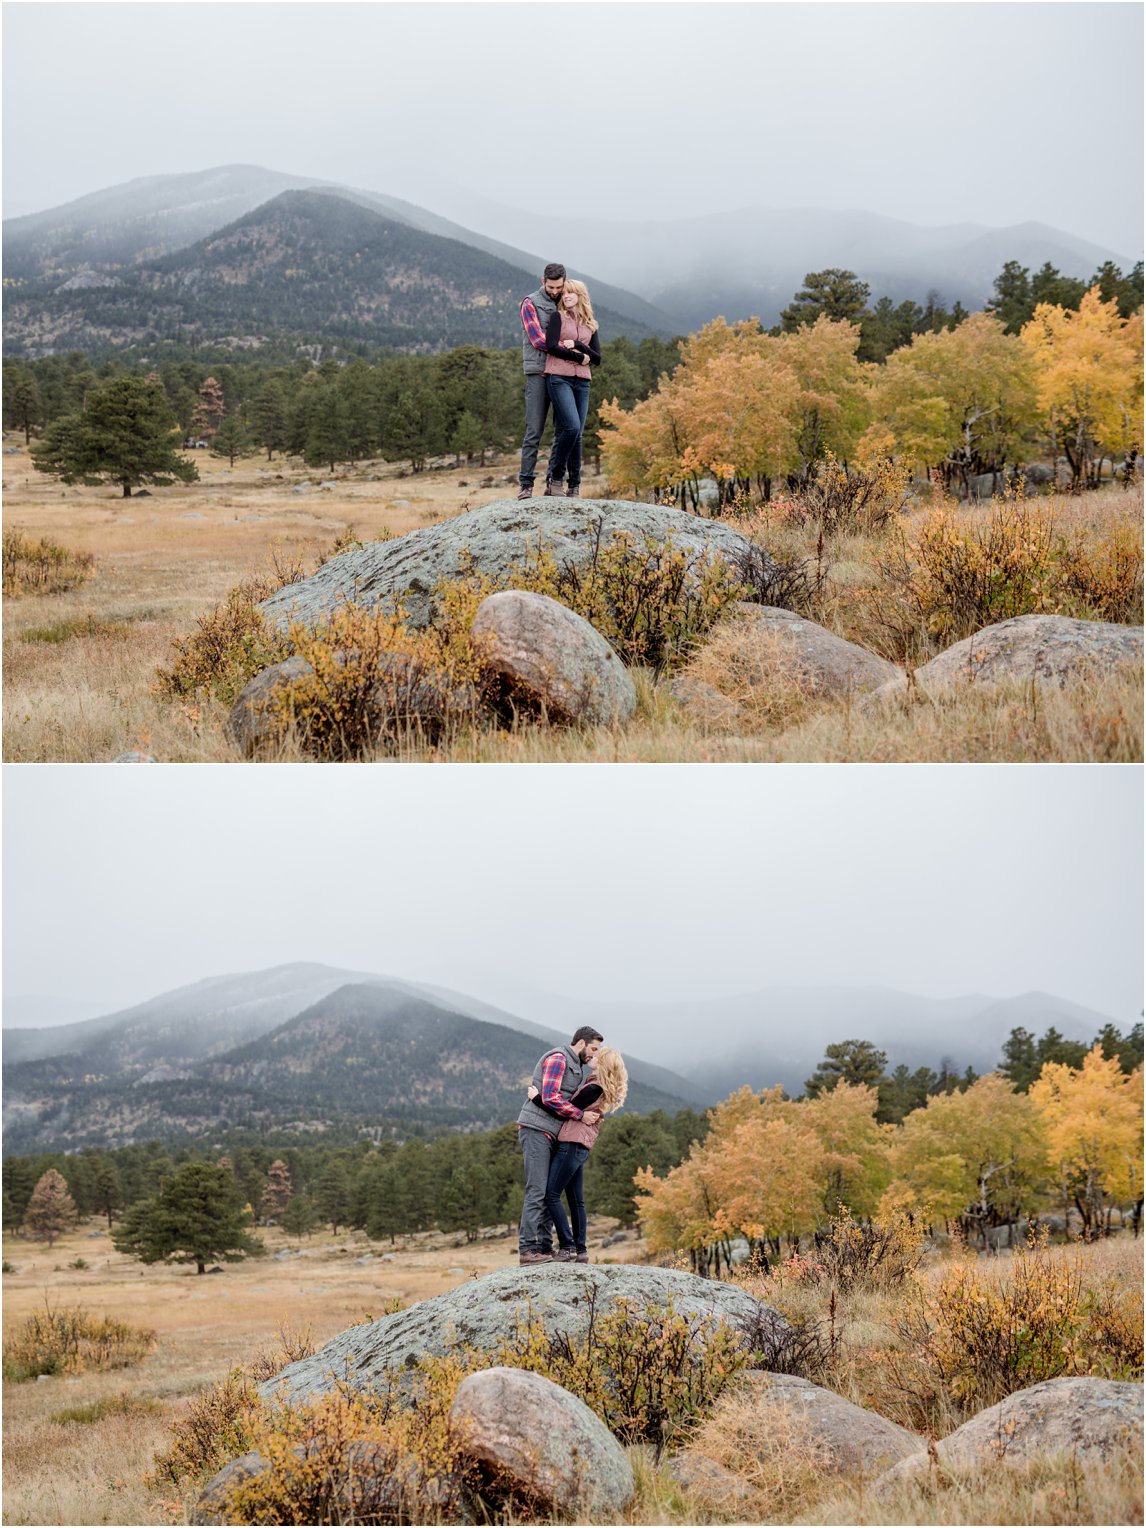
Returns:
(570, 330)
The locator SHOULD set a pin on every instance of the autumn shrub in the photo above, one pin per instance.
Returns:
(652, 600)
(842, 499)
(374, 682)
(855, 1254)
(351, 1457)
(41, 567)
(215, 1426)
(958, 572)
(68, 1340)
(227, 648)
(987, 1338)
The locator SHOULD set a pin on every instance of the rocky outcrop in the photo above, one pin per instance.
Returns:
(493, 540)
(255, 721)
(1082, 1416)
(535, 1441)
(825, 663)
(549, 659)
(483, 1313)
(763, 1413)
(1044, 649)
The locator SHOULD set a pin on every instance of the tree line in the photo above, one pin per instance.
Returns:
(958, 405)
(155, 1198)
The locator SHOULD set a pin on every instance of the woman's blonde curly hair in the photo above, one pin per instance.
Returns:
(612, 1078)
(584, 312)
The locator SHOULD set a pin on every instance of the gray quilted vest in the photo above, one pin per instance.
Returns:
(534, 360)
(532, 1116)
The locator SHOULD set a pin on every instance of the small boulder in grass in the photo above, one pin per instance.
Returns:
(827, 664)
(1085, 1417)
(552, 659)
(534, 1440)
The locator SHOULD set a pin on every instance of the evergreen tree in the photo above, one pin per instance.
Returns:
(269, 417)
(328, 429)
(210, 409)
(467, 439)
(22, 405)
(834, 294)
(196, 1217)
(1020, 1059)
(332, 1196)
(853, 1061)
(299, 1218)
(126, 435)
(51, 1209)
(232, 439)
(108, 1189)
(1012, 302)
(277, 1193)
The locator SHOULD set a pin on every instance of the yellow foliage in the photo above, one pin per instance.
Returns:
(1093, 1123)
(1088, 366)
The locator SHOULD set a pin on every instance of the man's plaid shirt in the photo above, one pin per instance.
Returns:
(534, 333)
(551, 1075)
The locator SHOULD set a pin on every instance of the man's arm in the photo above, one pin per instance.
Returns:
(553, 342)
(530, 322)
(551, 1074)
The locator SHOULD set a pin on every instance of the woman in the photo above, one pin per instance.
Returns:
(604, 1094)
(572, 347)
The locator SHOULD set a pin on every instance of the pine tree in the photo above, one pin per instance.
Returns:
(299, 1217)
(278, 1191)
(332, 1195)
(127, 434)
(232, 438)
(209, 410)
(197, 1216)
(854, 1061)
(51, 1209)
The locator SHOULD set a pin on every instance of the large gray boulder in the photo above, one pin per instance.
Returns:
(483, 1313)
(550, 658)
(492, 539)
(533, 1439)
(1044, 649)
(1081, 1416)
(825, 663)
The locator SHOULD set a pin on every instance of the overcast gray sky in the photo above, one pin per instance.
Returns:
(937, 113)
(653, 882)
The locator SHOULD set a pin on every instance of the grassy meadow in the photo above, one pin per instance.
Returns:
(78, 1448)
(80, 666)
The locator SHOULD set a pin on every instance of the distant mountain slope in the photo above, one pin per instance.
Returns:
(249, 255)
(139, 220)
(366, 1054)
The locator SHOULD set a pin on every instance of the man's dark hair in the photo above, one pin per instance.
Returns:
(586, 1032)
(555, 272)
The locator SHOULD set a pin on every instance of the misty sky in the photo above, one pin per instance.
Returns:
(937, 113)
(636, 883)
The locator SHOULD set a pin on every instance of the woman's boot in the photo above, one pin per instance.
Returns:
(573, 491)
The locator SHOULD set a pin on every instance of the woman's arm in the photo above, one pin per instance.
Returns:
(553, 342)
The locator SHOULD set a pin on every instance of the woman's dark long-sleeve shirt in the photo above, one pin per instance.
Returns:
(554, 346)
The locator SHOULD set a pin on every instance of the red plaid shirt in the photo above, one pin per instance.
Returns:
(534, 333)
(551, 1075)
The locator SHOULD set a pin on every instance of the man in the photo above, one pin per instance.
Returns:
(536, 311)
(557, 1076)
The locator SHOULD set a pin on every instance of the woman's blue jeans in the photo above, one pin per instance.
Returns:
(565, 1177)
(570, 399)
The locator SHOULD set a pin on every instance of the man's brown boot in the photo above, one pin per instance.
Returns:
(527, 1258)
(525, 491)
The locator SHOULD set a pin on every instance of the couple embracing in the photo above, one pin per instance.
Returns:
(559, 346)
(573, 1088)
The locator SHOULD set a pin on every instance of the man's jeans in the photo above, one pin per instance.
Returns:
(570, 399)
(565, 1177)
(536, 413)
(534, 1232)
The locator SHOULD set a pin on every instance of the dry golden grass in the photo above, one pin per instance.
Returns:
(80, 667)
